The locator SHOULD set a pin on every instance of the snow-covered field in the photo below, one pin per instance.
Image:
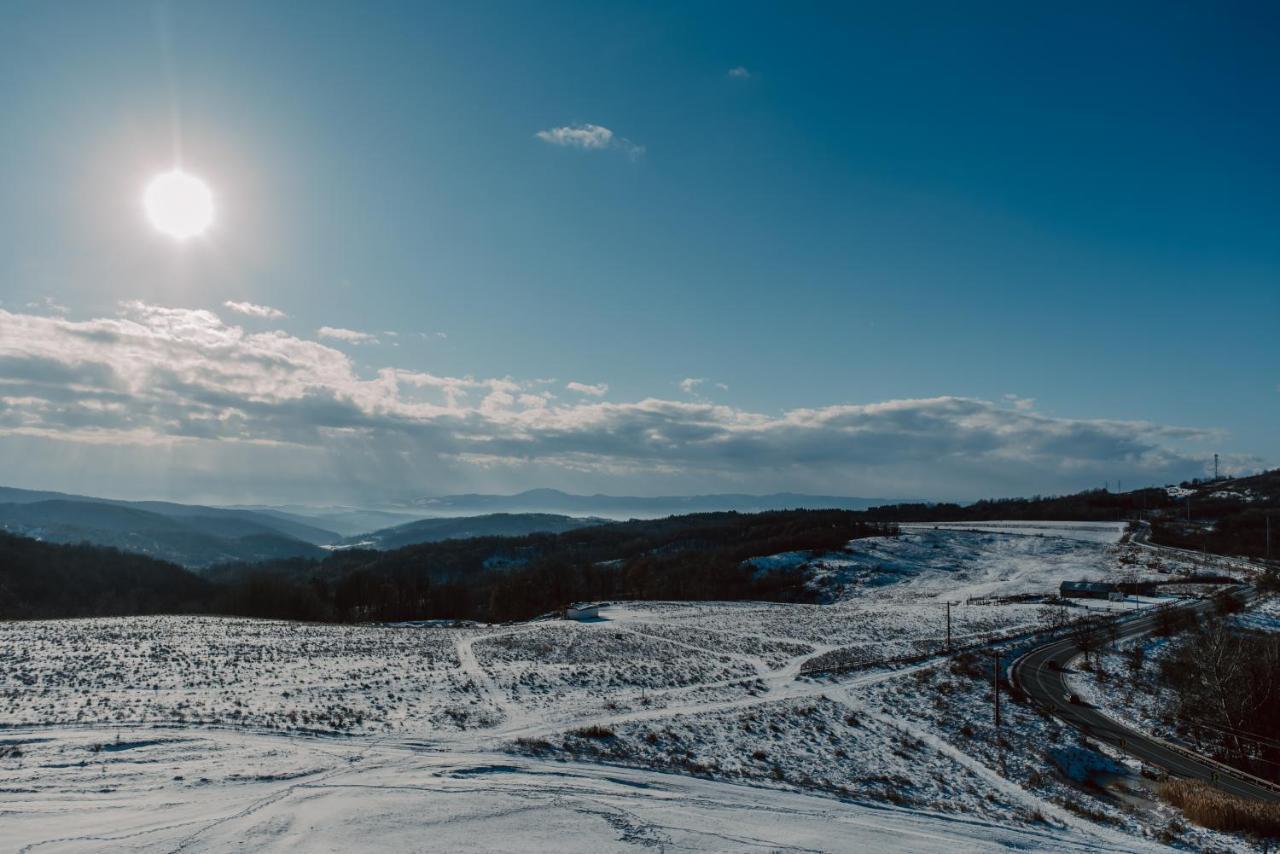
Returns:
(954, 562)
(163, 791)
(1263, 617)
(663, 725)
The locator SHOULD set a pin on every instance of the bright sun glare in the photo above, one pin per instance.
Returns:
(178, 204)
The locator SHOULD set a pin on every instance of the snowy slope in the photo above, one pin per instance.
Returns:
(956, 563)
(683, 725)
(219, 791)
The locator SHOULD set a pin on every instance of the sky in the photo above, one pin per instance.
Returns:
(885, 250)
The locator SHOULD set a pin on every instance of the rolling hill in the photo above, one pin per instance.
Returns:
(467, 527)
(189, 535)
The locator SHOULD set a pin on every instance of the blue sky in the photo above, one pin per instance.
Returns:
(1067, 218)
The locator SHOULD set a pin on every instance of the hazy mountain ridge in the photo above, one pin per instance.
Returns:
(469, 527)
(189, 535)
(626, 506)
(281, 523)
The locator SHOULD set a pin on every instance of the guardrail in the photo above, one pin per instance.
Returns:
(1215, 765)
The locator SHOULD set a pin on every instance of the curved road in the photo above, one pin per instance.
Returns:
(1048, 688)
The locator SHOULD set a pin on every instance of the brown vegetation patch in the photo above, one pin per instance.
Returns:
(1210, 808)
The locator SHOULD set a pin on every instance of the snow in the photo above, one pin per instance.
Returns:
(949, 562)
(215, 791)
(664, 724)
(1264, 616)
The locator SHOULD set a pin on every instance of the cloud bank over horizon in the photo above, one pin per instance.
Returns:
(158, 399)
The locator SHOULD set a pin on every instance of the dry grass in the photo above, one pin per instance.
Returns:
(1210, 808)
(593, 731)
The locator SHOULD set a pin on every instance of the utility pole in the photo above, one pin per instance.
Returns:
(995, 689)
(1268, 518)
(949, 618)
(1215, 466)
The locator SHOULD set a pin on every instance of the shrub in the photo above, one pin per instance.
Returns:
(534, 745)
(593, 731)
(1215, 810)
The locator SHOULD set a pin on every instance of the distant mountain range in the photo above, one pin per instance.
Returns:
(347, 521)
(198, 536)
(465, 527)
(186, 534)
(624, 507)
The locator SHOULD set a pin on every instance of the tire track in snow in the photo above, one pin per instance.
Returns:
(1004, 785)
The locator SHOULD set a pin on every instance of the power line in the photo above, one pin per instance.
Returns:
(1238, 733)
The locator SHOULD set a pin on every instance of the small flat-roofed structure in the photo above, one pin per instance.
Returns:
(1087, 590)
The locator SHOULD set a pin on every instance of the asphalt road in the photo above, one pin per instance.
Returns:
(1048, 688)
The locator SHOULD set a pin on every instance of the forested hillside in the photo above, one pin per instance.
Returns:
(486, 578)
(54, 580)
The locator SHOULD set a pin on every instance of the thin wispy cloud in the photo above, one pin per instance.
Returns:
(351, 336)
(691, 386)
(47, 304)
(739, 72)
(255, 310)
(589, 137)
(598, 390)
(163, 376)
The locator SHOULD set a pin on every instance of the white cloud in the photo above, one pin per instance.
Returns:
(48, 304)
(739, 72)
(589, 137)
(206, 389)
(254, 310)
(350, 336)
(1022, 404)
(599, 390)
(690, 385)
(578, 136)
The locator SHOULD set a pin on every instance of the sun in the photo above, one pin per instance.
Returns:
(179, 204)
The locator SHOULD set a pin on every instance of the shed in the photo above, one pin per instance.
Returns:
(1087, 590)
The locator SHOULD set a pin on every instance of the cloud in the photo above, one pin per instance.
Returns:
(690, 385)
(738, 72)
(48, 304)
(350, 336)
(1022, 404)
(599, 390)
(207, 390)
(254, 310)
(590, 137)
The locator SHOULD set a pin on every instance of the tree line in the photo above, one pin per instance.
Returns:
(694, 557)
